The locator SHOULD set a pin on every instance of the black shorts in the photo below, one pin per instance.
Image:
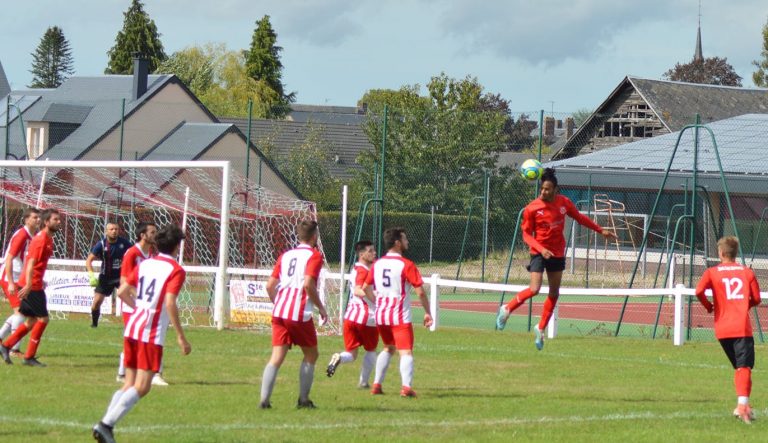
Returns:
(34, 305)
(107, 285)
(539, 264)
(740, 351)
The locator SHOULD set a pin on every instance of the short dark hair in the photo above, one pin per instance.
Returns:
(392, 235)
(47, 213)
(306, 229)
(28, 212)
(141, 228)
(362, 245)
(549, 176)
(168, 237)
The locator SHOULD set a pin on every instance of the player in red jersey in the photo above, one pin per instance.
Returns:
(10, 271)
(152, 290)
(543, 225)
(359, 319)
(292, 287)
(734, 291)
(392, 276)
(34, 305)
(143, 249)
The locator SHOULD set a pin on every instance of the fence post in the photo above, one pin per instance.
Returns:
(433, 306)
(678, 338)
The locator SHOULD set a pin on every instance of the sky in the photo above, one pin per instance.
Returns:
(555, 55)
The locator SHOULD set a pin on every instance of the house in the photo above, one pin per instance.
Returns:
(342, 142)
(640, 108)
(123, 117)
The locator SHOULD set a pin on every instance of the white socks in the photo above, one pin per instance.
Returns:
(406, 369)
(268, 381)
(122, 405)
(306, 377)
(743, 400)
(121, 368)
(382, 363)
(347, 357)
(369, 360)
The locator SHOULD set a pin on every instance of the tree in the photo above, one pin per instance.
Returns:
(139, 35)
(306, 167)
(194, 66)
(437, 145)
(263, 66)
(760, 77)
(710, 71)
(581, 116)
(52, 60)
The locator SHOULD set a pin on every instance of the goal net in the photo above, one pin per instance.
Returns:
(234, 230)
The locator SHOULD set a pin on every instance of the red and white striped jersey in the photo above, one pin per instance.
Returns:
(131, 259)
(17, 248)
(360, 310)
(393, 277)
(291, 301)
(154, 279)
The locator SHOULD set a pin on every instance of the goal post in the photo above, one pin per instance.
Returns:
(235, 229)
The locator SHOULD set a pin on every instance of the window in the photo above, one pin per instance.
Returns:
(35, 142)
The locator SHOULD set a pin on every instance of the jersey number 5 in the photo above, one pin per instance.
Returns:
(386, 280)
(733, 288)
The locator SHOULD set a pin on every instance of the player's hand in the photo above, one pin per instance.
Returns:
(93, 280)
(608, 234)
(323, 315)
(11, 287)
(186, 348)
(427, 320)
(547, 254)
(24, 292)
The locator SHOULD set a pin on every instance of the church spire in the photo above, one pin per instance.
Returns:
(698, 55)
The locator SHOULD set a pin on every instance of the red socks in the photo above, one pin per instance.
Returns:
(34, 339)
(21, 331)
(546, 313)
(519, 299)
(743, 381)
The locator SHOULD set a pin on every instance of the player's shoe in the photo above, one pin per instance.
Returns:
(120, 378)
(363, 385)
(33, 362)
(407, 392)
(103, 433)
(265, 405)
(501, 318)
(744, 413)
(376, 390)
(307, 404)
(5, 353)
(539, 342)
(158, 380)
(335, 361)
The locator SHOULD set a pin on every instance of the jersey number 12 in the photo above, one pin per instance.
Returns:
(733, 288)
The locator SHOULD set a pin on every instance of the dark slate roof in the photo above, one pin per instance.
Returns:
(343, 115)
(741, 147)
(676, 105)
(5, 87)
(345, 141)
(188, 141)
(66, 113)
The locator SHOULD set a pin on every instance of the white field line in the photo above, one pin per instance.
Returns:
(221, 427)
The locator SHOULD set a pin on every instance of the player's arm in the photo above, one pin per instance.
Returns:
(92, 278)
(754, 292)
(310, 286)
(583, 220)
(23, 292)
(701, 288)
(358, 290)
(424, 304)
(127, 293)
(9, 272)
(272, 288)
(173, 314)
(413, 276)
(367, 286)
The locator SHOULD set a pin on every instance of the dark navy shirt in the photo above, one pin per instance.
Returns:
(111, 255)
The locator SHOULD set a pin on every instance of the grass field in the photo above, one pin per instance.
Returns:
(473, 386)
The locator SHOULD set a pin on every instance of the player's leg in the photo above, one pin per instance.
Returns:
(307, 376)
(404, 343)
(536, 269)
(554, 278)
(351, 343)
(121, 369)
(30, 357)
(281, 343)
(98, 299)
(382, 361)
(743, 351)
(32, 307)
(370, 340)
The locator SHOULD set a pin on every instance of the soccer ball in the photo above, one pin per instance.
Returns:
(531, 169)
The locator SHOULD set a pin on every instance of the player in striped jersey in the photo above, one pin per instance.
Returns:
(392, 277)
(292, 287)
(359, 319)
(734, 291)
(159, 280)
(143, 249)
(110, 251)
(10, 270)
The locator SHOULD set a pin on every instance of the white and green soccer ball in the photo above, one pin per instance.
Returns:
(531, 169)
